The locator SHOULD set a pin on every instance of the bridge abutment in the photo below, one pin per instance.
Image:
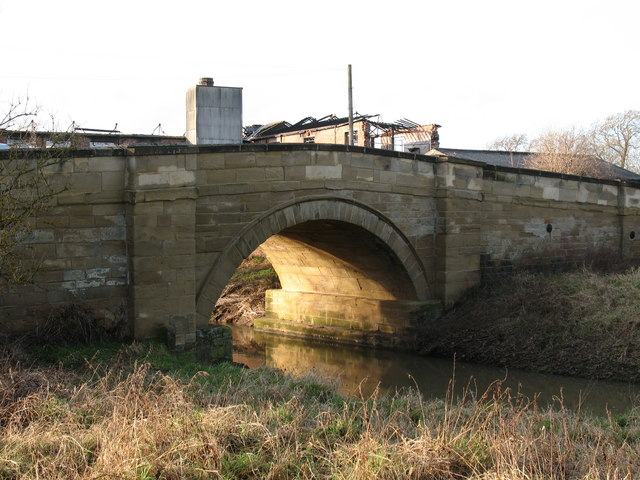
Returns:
(345, 318)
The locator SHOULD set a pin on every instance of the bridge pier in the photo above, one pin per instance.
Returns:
(160, 212)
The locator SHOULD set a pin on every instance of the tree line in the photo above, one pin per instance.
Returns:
(588, 152)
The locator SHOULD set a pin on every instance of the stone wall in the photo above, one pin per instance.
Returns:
(80, 242)
(539, 220)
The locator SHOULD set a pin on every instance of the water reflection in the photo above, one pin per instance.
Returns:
(358, 371)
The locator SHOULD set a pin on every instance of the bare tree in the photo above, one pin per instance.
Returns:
(567, 151)
(28, 183)
(617, 139)
(517, 142)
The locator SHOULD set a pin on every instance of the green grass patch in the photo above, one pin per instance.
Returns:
(254, 275)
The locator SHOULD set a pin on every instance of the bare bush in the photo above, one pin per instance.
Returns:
(28, 184)
(517, 142)
(567, 151)
(617, 139)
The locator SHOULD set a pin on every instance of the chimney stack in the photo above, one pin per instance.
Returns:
(214, 114)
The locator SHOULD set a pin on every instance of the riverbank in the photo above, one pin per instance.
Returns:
(583, 323)
(138, 412)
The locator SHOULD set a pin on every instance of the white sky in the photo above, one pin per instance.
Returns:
(481, 69)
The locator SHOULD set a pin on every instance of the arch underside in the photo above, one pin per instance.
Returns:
(337, 258)
(345, 271)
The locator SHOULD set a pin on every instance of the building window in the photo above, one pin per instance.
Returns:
(355, 137)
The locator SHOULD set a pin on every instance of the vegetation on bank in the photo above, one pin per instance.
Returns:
(138, 412)
(584, 323)
(242, 300)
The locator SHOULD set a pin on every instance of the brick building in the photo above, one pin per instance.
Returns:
(367, 132)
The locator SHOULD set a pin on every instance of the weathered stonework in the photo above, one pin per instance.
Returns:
(359, 237)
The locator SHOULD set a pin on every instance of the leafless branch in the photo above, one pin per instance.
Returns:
(510, 143)
(617, 139)
(30, 178)
(568, 152)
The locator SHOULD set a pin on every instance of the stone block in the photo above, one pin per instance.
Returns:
(211, 161)
(295, 172)
(323, 172)
(165, 163)
(80, 165)
(297, 158)
(86, 183)
(364, 174)
(75, 235)
(239, 160)
(328, 158)
(273, 173)
(269, 159)
(106, 164)
(53, 221)
(76, 250)
(68, 198)
(254, 174)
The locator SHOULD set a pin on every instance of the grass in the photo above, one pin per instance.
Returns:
(583, 323)
(139, 412)
(267, 274)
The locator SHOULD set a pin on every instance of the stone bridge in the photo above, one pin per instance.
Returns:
(365, 242)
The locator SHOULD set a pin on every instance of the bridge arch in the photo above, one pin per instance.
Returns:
(292, 221)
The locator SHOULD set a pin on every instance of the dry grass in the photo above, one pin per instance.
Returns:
(584, 323)
(242, 300)
(83, 420)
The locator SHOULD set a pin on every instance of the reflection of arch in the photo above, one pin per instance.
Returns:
(295, 213)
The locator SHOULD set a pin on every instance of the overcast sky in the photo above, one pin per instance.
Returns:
(481, 69)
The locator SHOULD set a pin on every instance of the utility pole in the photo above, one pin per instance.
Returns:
(350, 109)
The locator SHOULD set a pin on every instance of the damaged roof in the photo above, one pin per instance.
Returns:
(256, 132)
(307, 123)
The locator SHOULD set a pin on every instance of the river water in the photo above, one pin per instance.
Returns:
(359, 371)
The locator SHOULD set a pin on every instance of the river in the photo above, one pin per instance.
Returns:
(359, 371)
